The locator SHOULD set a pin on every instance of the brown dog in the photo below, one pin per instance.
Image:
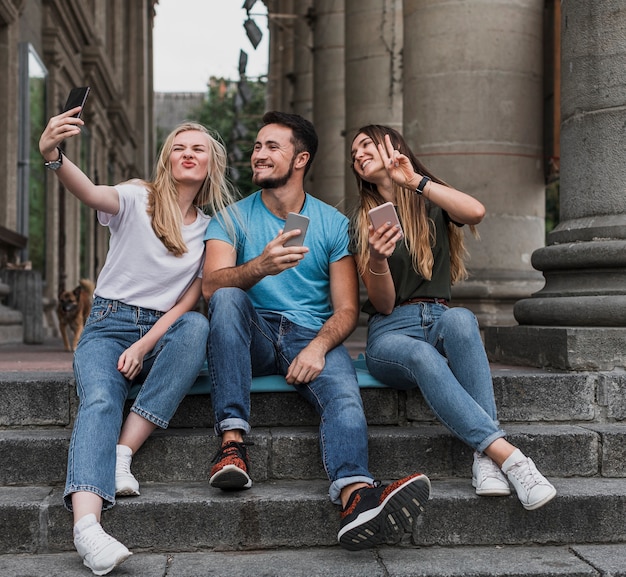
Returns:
(73, 310)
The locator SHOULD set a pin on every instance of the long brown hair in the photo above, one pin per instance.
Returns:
(214, 194)
(419, 229)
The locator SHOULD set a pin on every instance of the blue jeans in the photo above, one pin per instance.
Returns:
(439, 350)
(168, 372)
(244, 342)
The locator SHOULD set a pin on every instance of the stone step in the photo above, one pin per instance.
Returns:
(39, 456)
(178, 517)
(502, 561)
(522, 395)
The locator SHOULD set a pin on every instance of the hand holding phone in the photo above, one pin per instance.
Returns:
(385, 213)
(294, 221)
(77, 97)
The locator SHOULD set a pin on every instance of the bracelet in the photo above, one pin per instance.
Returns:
(420, 187)
(378, 273)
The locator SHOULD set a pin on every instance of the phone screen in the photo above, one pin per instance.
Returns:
(77, 97)
(294, 221)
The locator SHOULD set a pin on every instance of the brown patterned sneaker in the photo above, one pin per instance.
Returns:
(230, 472)
(379, 514)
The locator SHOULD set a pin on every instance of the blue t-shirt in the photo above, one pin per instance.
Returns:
(301, 293)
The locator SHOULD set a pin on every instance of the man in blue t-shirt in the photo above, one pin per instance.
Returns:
(281, 309)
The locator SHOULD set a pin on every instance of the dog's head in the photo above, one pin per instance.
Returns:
(68, 300)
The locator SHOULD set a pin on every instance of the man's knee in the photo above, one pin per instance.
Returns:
(226, 298)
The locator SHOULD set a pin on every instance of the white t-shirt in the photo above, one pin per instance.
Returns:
(139, 270)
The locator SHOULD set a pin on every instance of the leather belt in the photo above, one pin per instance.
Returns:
(424, 300)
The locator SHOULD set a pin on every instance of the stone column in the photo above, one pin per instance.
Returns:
(303, 59)
(373, 89)
(9, 59)
(578, 319)
(329, 115)
(473, 105)
(281, 53)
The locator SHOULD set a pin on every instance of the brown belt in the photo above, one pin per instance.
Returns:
(424, 300)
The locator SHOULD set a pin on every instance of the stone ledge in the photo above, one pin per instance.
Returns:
(563, 348)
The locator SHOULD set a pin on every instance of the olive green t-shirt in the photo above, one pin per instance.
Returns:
(409, 283)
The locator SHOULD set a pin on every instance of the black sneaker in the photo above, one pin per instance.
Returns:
(230, 472)
(379, 514)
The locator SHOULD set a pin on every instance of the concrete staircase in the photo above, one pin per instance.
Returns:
(572, 424)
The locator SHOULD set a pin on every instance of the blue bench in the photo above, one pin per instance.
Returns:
(273, 383)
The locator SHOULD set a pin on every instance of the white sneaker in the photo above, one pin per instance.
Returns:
(125, 482)
(488, 478)
(99, 551)
(533, 489)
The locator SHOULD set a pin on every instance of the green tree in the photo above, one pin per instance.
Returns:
(234, 110)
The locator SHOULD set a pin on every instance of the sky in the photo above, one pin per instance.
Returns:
(197, 39)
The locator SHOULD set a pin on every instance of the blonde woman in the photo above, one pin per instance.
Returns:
(414, 339)
(142, 328)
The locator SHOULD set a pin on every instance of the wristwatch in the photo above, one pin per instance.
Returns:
(422, 185)
(55, 164)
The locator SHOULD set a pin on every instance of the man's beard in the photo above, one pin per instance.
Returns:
(276, 181)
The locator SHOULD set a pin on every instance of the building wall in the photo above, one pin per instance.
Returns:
(107, 45)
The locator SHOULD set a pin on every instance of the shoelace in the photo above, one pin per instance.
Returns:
(488, 468)
(123, 466)
(233, 447)
(98, 540)
(527, 474)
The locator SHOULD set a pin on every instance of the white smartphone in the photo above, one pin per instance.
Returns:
(293, 221)
(384, 213)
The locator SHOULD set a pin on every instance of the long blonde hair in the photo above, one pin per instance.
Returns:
(419, 229)
(215, 193)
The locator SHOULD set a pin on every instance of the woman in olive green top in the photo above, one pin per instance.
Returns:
(414, 338)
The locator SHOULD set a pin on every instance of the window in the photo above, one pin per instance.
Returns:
(31, 192)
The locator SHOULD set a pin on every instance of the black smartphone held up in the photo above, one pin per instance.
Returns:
(77, 97)
(293, 221)
(384, 213)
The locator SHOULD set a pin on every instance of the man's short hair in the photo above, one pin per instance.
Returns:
(304, 137)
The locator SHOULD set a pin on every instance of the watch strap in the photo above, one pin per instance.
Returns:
(55, 164)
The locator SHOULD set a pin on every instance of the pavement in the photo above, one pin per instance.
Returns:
(51, 357)
(48, 357)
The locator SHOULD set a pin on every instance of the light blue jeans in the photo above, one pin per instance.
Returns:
(168, 372)
(244, 342)
(439, 350)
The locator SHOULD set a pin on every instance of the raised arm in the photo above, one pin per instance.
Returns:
(461, 207)
(98, 197)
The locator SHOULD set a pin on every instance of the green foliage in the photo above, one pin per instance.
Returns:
(237, 129)
(552, 205)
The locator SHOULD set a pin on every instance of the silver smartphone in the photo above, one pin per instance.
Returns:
(384, 213)
(293, 221)
(77, 97)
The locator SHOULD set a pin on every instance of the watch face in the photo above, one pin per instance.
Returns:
(55, 164)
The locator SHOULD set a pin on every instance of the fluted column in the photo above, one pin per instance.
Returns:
(473, 111)
(373, 53)
(280, 65)
(303, 59)
(328, 102)
(578, 320)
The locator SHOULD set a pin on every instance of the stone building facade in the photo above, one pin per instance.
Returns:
(48, 47)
